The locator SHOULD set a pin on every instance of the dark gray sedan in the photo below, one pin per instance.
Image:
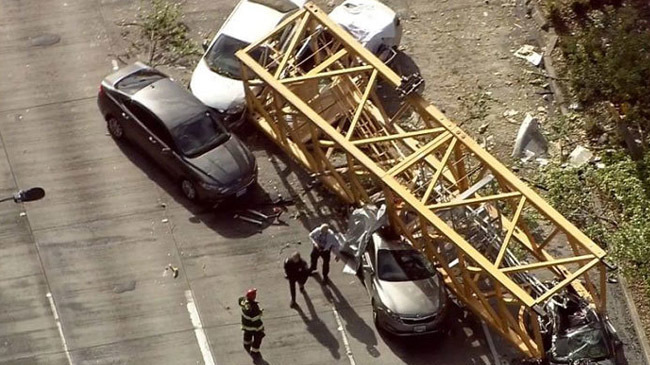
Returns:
(185, 137)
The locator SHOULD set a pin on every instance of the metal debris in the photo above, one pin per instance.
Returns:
(172, 269)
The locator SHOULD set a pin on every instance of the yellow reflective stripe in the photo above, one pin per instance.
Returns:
(246, 328)
(256, 318)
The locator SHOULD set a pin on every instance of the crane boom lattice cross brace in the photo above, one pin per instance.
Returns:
(366, 133)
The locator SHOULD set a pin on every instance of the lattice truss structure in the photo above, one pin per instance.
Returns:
(335, 108)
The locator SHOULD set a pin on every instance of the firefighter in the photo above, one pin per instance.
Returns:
(295, 270)
(251, 323)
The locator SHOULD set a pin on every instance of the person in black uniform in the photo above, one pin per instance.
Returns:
(296, 270)
(251, 323)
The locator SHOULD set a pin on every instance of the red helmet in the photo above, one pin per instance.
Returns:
(251, 294)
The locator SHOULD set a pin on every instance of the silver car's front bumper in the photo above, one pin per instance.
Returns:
(410, 325)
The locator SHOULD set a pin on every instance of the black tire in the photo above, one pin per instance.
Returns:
(188, 188)
(115, 128)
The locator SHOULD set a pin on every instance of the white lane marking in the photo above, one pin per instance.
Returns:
(488, 336)
(201, 338)
(346, 343)
(55, 313)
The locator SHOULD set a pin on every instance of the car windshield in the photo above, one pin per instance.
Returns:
(402, 265)
(221, 56)
(199, 134)
(137, 81)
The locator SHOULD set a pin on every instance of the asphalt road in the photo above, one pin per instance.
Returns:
(83, 276)
(82, 272)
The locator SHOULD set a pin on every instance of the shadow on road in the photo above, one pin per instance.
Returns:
(355, 326)
(317, 328)
(461, 330)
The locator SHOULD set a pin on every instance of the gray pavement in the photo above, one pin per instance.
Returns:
(83, 277)
(99, 242)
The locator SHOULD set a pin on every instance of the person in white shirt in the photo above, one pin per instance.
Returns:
(323, 240)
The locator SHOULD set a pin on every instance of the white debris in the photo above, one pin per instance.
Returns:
(529, 142)
(580, 156)
(22, 214)
(165, 220)
(527, 52)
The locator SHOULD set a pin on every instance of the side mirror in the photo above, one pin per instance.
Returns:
(205, 44)
(29, 195)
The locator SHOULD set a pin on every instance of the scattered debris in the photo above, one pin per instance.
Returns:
(612, 279)
(483, 128)
(527, 52)
(580, 156)
(172, 269)
(529, 142)
(22, 214)
(165, 220)
(247, 219)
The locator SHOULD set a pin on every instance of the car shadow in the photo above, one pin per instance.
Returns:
(355, 326)
(317, 327)
(460, 329)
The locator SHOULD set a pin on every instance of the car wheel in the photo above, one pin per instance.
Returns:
(115, 128)
(189, 190)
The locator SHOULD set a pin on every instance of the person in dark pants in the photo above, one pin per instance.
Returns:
(251, 323)
(323, 240)
(295, 269)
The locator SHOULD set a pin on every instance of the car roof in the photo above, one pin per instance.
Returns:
(251, 21)
(384, 244)
(170, 102)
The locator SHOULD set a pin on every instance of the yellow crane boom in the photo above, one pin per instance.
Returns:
(313, 89)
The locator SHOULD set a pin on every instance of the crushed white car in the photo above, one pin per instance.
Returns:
(217, 79)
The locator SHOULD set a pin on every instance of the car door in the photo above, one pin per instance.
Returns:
(154, 139)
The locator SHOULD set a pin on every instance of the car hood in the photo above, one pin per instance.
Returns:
(216, 91)
(410, 298)
(229, 164)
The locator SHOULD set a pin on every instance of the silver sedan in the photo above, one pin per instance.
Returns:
(406, 291)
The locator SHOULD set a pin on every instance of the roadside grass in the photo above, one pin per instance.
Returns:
(606, 47)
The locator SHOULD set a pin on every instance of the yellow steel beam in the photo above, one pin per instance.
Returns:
(544, 264)
(436, 175)
(389, 151)
(393, 184)
(362, 104)
(467, 202)
(473, 147)
(511, 230)
(343, 71)
(417, 155)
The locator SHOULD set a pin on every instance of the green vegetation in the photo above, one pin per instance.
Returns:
(606, 48)
(611, 204)
(159, 37)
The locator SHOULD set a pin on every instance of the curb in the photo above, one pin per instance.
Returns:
(638, 327)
